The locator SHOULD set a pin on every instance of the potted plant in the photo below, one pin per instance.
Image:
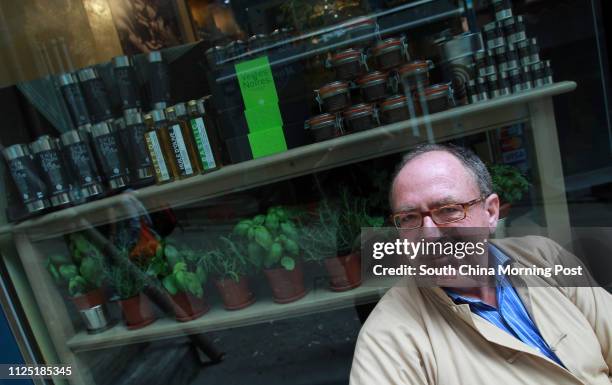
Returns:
(272, 245)
(509, 184)
(229, 263)
(183, 273)
(129, 283)
(334, 239)
(82, 274)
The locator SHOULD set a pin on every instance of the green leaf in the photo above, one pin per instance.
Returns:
(263, 237)
(289, 230)
(242, 227)
(172, 255)
(201, 273)
(288, 263)
(259, 220)
(179, 267)
(53, 271)
(256, 254)
(68, 271)
(77, 286)
(251, 233)
(180, 278)
(169, 283)
(291, 247)
(272, 222)
(91, 270)
(276, 252)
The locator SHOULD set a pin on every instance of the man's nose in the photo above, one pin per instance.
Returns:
(428, 222)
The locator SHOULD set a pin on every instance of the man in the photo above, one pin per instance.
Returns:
(505, 334)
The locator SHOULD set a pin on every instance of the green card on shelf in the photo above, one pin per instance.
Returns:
(256, 83)
(267, 142)
(263, 118)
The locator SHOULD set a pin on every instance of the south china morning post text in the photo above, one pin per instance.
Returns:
(447, 258)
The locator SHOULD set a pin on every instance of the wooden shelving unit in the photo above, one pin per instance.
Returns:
(264, 310)
(380, 141)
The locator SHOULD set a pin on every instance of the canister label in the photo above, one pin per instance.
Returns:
(157, 157)
(203, 143)
(51, 165)
(26, 179)
(180, 149)
(82, 163)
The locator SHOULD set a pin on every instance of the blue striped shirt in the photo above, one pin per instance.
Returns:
(510, 315)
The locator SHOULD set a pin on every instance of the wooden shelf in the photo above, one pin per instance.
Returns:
(380, 141)
(264, 310)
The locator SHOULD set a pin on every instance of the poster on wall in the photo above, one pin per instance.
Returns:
(146, 25)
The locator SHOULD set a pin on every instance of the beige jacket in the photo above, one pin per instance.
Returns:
(419, 336)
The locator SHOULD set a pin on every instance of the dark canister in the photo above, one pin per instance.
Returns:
(234, 49)
(323, 127)
(548, 72)
(502, 9)
(438, 98)
(334, 96)
(348, 64)
(360, 117)
(515, 80)
(82, 163)
(494, 35)
(472, 91)
(112, 157)
(390, 53)
(526, 78)
(50, 160)
(127, 83)
(537, 71)
(159, 80)
(482, 87)
(98, 101)
(414, 75)
(396, 108)
(512, 58)
(140, 162)
(373, 86)
(505, 87)
(71, 91)
(28, 180)
(493, 86)
(529, 51)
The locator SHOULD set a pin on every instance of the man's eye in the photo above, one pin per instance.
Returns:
(408, 218)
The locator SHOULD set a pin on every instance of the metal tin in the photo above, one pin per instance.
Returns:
(500, 58)
(96, 318)
(504, 84)
(472, 91)
(73, 96)
(493, 86)
(457, 62)
(515, 80)
(96, 96)
(526, 78)
(548, 73)
(490, 68)
(83, 164)
(538, 72)
(494, 35)
(520, 32)
(159, 79)
(138, 155)
(529, 51)
(24, 172)
(482, 87)
(502, 9)
(512, 58)
(127, 83)
(107, 144)
(47, 154)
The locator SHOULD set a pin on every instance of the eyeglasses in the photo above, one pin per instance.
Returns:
(441, 215)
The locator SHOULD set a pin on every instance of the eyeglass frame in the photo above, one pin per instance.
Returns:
(428, 213)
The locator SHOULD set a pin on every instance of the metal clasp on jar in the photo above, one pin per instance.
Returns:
(333, 96)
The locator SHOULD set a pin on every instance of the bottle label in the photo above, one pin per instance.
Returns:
(82, 163)
(203, 143)
(137, 146)
(112, 160)
(76, 104)
(26, 179)
(97, 98)
(51, 165)
(157, 157)
(180, 149)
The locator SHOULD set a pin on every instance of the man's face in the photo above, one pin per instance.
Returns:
(435, 179)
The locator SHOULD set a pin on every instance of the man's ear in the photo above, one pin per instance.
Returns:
(491, 205)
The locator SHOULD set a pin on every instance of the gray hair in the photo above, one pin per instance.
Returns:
(473, 164)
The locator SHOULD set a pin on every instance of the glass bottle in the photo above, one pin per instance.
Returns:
(157, 151)
(204, 134)
(181, 144)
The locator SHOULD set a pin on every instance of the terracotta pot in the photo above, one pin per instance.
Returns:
(504, 210)
(137, 311)
(188, 307)
(89, 300)
(344, 272)
(287, 285)
(235, 295)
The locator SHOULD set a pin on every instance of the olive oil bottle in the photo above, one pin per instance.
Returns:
(181, 146)
(159, 158)
(204, 135)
